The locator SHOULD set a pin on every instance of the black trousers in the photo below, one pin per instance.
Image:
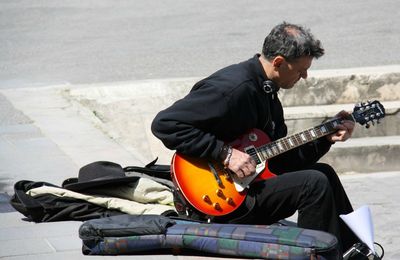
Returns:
(316, 193)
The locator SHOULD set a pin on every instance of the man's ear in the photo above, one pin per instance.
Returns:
(277, 61)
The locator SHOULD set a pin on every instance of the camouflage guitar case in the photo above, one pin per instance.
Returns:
(144, 234)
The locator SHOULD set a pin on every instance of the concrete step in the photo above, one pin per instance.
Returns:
(125, 111)
(369, 154)
(344, 87)
(374, 149)
(303, 117)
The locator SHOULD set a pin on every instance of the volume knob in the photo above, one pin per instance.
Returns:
(217, 206)
(206, 199)
(230, 201)
(219, 193)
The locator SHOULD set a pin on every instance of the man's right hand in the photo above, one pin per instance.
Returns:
(241, 164)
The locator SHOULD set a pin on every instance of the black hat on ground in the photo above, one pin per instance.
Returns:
(98, 174)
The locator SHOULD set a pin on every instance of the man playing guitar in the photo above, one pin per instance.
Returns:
(226, 107)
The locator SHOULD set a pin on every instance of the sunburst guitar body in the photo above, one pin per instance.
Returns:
(208, 186)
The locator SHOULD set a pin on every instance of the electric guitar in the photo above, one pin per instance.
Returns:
(215, 191)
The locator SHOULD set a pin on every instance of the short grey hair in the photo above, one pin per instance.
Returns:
(291, 41)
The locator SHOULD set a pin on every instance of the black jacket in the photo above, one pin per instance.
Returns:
(224, 106)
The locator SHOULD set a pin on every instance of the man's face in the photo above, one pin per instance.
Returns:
(291, 72)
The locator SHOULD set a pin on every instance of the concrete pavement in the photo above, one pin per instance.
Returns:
(46, 136)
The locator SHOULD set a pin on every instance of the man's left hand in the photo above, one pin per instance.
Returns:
(345, 129)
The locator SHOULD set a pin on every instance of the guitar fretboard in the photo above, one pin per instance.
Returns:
(287, 143)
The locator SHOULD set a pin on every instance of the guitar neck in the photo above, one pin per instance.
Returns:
(287, 143)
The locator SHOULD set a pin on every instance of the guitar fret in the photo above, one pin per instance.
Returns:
(293, 141)
(333, 124)
(269, 152)
(286, 140)
(264, 154)
(299, 139)
(283, 145)
(266, 151)
(312, 132)
(287, 143)
(290, 142)
(319, 131)
(275, 150)
(280, 146)
(309, 137)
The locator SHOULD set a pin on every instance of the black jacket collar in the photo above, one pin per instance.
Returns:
(260, 76)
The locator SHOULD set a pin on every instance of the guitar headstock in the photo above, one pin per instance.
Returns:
(369, 112)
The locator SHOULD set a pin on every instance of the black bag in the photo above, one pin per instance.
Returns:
(49, 208)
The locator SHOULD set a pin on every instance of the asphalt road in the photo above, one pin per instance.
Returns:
(50, 42)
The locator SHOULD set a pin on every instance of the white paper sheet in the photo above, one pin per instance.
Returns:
(360, 221)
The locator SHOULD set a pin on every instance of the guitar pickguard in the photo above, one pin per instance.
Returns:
(243, 183)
